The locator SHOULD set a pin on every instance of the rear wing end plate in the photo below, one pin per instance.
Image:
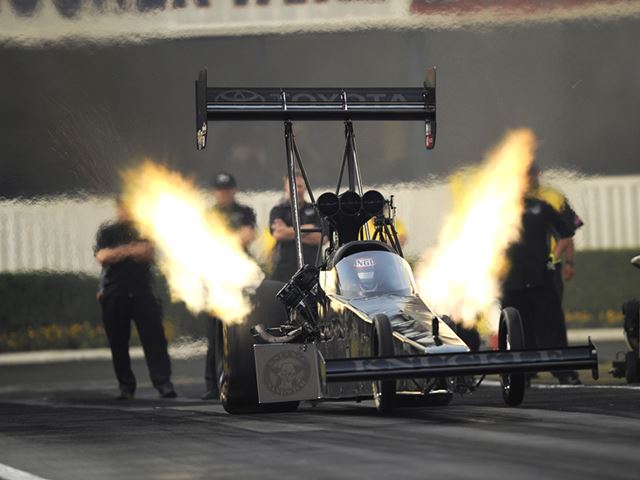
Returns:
(317, 104)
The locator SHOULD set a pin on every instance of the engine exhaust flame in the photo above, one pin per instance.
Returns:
(461, 276)
(200, 256)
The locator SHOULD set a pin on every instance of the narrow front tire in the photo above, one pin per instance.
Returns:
(511, 337)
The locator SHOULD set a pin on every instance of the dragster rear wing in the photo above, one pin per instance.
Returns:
(289, 104)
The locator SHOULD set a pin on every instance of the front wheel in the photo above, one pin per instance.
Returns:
(511, 337)
(384, 391)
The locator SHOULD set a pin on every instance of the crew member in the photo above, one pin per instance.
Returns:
(561, 253)
(280, 221)
(242, 220)
(126, 293)
(562, 262)
(529, 284)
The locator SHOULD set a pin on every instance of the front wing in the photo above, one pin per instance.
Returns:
(289, 371)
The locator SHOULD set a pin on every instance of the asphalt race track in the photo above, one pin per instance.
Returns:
(58, 421)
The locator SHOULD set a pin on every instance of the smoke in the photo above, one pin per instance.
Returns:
(202, 259)
(185, 348)
(461, 276)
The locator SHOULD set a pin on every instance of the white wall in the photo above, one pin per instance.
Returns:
(610, 209)
(58, 234)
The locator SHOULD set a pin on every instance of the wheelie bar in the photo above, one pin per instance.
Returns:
(457, 364)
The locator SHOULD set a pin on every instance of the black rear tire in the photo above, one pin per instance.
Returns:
(384, 391)
(631, 311)
(632, 373)
(511, 337)
(238, 386)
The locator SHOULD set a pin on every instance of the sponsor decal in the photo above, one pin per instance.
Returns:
(471, 7)
(239, 95)
(136, 20)
(364, 262)
(133, 20)
(286, 373)
(245, 95)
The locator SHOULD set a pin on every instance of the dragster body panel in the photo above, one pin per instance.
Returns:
(348, 326)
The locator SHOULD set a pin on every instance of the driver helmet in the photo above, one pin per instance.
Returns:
(365, 268)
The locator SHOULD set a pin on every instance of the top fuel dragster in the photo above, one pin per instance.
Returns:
(353, 326)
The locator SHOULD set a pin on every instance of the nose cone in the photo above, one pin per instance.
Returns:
(636, 261)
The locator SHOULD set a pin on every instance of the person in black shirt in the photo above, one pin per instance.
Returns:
(242, 219)
(529, 257)
(126, 293)
(529, 284)
(280, 221)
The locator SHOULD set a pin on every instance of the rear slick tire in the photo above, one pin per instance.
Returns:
(632, 375)
(511, 337)
(238, 385)
(384, 391)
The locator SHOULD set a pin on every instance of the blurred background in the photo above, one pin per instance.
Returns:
(88, 88)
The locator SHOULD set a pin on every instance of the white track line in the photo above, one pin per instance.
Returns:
(52, 356)
(10, 473)
(176, 351)
(579, 335)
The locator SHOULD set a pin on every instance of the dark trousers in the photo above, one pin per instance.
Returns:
(558, 285)
(212, 369)
(542, 317)
(118, 309)
(558, 281)
(539, 308)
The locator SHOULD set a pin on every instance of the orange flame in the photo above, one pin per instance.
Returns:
(202, 259)
(461, 277)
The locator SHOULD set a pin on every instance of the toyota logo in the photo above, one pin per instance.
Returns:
(239, 96)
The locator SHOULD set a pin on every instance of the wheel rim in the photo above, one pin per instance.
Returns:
(377, 385)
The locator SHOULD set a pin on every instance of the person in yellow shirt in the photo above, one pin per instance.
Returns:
(561, 260)
(561, 252)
